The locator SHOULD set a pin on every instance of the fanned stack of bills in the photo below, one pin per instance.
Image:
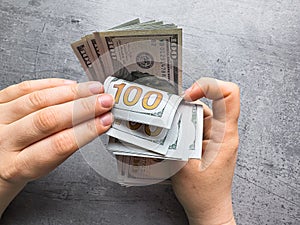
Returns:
(153, 123)
(150, 47)
(140, 65)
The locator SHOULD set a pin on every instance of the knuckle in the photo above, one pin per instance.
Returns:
(46, 120)
(22, 168)
(64, 144)
(91, 126)
(74, 90)
(4, 143)
(25, 86)
(234, 87)
(8, 174)
(88, 105)
(4, 93)
(17, 169)
(37, 99)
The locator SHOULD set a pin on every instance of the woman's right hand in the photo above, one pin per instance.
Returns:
(204, 186)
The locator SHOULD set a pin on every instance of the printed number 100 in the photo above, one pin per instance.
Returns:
(137, 96)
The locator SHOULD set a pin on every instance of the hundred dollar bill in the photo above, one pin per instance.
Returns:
(147, 132)
(98, 64)
(142, 104)
(154, 51)
(151, 47)
(88, 54)
(139, 26)
(126, 24)
(149, 26)
(137, 171)
(140, 171)
(188, 144)
(159, 145)
(190, 141)
(97, 59)
(85, 57)
(196, 119)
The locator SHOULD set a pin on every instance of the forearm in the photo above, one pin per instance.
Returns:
(8, 191)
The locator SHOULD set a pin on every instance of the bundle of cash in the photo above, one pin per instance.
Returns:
(140, 65)
(153, 123)
(150, 47)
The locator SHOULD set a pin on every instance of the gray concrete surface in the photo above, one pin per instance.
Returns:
(255, 43)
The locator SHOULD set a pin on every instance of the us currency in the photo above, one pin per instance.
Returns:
(136, 171)
(142, 52)
(138, 164)
(85, 57)
(186, 143)
(150, 140)
(153, 49)
(87, 52)
(142, 104)
(134, 125)
(126, 24)
(139, 171)
(97, 62)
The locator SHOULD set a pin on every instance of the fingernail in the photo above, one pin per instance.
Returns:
(70, 82)
(106, 100)
(106, 119)
(95, 87)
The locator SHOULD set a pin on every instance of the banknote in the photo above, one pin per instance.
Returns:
(88, 54)
(139, 171)
(142, 104)
(154, 138)
(97, 62)
(158, 145)
(136, 171)
(83, 53)
(188, 143)
(150, 47)
(190, 138)
(139, 26)
(126, 24)
(149, 50)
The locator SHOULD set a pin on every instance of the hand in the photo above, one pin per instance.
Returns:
(42, 123)
(204, 186)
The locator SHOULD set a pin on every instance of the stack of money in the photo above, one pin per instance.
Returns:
(153, 123)
(150, 48)
(140, 65)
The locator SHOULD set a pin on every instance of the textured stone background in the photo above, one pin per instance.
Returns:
(255, 43)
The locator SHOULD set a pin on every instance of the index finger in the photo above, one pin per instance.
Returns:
(225, 96)
(18, 90)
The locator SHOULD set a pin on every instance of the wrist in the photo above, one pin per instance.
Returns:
(219, 214)
(197, 221)
(8, 191)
